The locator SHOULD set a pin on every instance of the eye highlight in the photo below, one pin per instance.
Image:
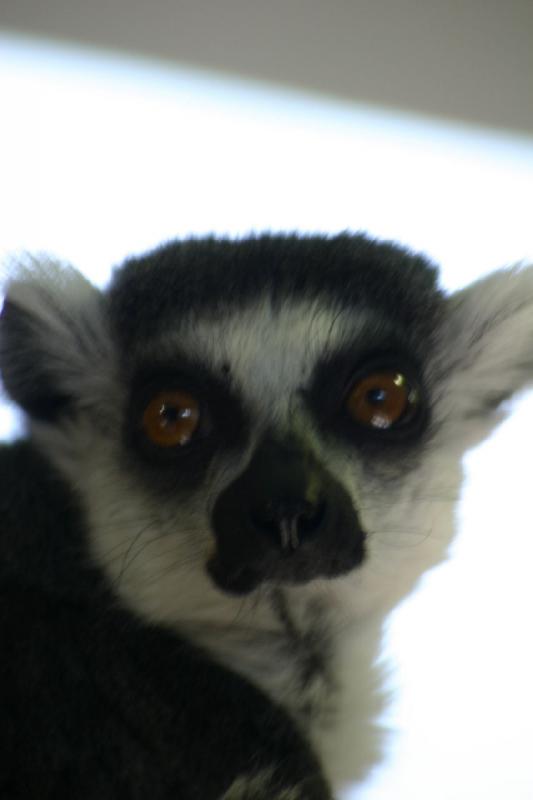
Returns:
(171, 418)
(382, 400)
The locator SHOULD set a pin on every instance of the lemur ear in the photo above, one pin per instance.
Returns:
(485, 350)
(52, 332)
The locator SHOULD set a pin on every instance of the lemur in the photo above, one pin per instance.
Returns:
(201, 532)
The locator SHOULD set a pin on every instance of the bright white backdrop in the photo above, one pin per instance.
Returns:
(101, 157)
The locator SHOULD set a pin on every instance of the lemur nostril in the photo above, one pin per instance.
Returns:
(288, 521)
(312, 516)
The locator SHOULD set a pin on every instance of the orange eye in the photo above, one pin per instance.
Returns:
(171, 418)
(382, 399)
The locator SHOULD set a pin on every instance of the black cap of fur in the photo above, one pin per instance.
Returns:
(207, 274)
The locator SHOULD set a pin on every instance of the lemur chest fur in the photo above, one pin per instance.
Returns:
(292, 657)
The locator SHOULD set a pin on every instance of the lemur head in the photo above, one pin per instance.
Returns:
(240, 415)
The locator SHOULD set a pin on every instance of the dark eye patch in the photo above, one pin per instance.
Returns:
(377, 396)
(220, 421)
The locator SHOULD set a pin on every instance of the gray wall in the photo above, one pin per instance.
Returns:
(463, 59)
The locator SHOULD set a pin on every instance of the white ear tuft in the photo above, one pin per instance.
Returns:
(53, 330)
(485, 350)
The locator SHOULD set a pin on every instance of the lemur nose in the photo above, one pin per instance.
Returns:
(288, 521)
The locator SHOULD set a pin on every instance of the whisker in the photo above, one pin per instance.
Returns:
(176, 565)
(126, 563)
(422, 537)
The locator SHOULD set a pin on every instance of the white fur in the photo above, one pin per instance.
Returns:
(247, 787)
(68, 321)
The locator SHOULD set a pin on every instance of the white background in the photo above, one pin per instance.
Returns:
(102, 157)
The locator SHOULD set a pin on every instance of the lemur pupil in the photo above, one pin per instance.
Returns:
(170, 415)
(376, 397)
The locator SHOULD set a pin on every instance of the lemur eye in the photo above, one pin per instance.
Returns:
(171, 418)
(382, 399)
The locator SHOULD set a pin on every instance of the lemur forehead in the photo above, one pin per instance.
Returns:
(265, 345)
(210, 277)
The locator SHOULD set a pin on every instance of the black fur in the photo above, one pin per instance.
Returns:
(94, 703)
(207, 274)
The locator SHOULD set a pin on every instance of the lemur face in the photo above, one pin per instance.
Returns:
(239, 415)
(264, 415)
(268, 418)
